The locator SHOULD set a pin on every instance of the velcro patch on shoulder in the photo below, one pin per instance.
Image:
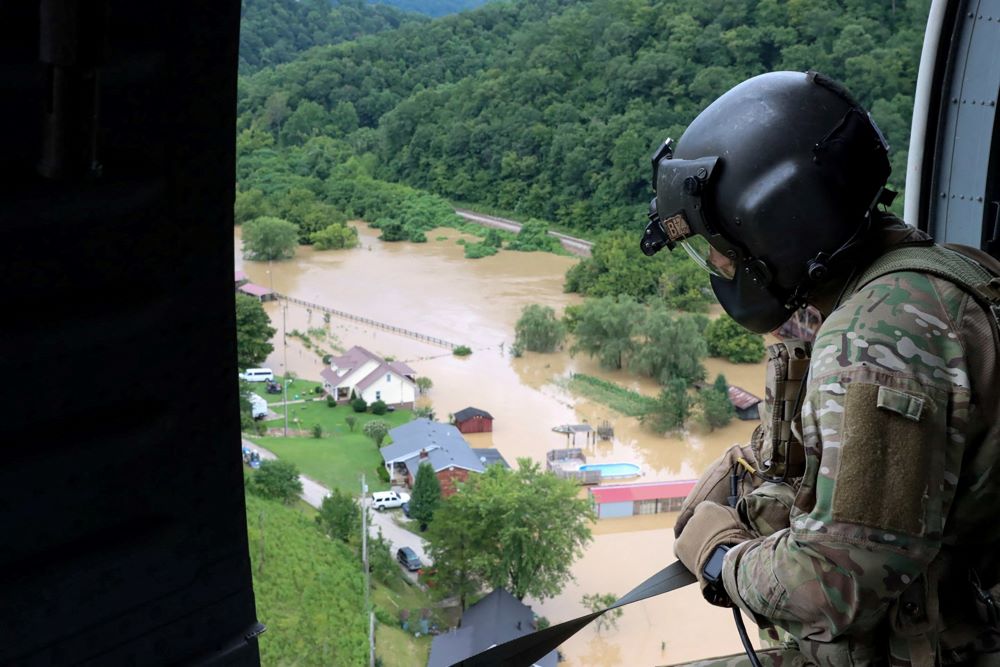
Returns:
(885, 456)
(911, 407)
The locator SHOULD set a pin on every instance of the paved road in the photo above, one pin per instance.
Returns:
(571, 243)
(313, 493)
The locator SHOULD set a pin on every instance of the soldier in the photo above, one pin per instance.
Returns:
(863, 518)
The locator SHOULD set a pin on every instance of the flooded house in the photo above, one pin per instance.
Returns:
(473, 420)
(258, 292)
(360, 373)
(440, 445)
(621, 500)
(744, 403)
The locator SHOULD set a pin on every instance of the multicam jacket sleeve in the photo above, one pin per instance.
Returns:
(883, 422)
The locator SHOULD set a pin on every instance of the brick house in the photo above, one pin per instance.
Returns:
(440, 445)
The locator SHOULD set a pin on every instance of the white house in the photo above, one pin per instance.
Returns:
(365, 374)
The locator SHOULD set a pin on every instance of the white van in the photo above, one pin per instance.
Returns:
(258, 406)
(257, 375)
(382, 500)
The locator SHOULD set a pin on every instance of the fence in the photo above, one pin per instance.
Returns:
(433, 340)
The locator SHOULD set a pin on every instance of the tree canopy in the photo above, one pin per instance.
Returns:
(520, 529)
(426, 495)
(550, 109)
(538, 329)
(268, 238)
(726, 338)
(253, 332)
(277, 480)
(340, 516)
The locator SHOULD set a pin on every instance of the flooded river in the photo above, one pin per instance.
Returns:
(431, 288)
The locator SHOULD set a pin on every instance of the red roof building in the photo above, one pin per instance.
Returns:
(620, 500)
(744, 403)
(258, 291)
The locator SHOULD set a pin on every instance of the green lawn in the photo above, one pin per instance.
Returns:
(299, 388)
(340, 456)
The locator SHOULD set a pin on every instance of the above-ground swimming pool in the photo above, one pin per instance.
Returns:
(609, 470)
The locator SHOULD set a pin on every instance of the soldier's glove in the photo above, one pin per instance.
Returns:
(712, 525)
(713, 485)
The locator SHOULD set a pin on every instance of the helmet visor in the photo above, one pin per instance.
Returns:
(709, 258)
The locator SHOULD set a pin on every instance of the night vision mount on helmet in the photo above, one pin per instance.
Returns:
(770, 189)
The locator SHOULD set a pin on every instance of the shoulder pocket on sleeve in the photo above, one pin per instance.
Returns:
(884, 477)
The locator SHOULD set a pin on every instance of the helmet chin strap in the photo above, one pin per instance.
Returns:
(818, 268)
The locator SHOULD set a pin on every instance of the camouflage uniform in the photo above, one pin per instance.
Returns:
(899, 499)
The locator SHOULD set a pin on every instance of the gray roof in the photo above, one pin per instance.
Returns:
(497, 618)
(490, 456)
(444, 458)
(443, 443)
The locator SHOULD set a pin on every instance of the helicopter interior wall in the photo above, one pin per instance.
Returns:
(121, 497)
(961, 193)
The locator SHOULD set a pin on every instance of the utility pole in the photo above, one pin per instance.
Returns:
(368, 582)
(284, 358)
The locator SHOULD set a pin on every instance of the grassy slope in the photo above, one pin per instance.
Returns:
(309, 590)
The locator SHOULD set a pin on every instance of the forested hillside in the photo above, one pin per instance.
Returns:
(432, 7)
(276, 31)
(551, 108)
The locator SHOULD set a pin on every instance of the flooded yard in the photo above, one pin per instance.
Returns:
(431, 288)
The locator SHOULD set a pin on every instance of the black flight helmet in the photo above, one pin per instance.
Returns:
(767, 189)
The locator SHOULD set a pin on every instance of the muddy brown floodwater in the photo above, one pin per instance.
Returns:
(431, 288)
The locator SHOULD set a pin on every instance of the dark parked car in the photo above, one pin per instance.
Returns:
(406, 509)
(409, 559)
(273, 388)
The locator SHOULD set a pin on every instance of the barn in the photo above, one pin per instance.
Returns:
(619, 500)
(474, 420)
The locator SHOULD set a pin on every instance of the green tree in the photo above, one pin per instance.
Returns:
(534, 235)
(277, 480)
(424, 383)
(716, 409)
(339, 516)
(684, 285)
(249, 205)
(381, 560)
(359, 404)
(615, 268)
(351, 422)
(335, 237)
(605, 329)
(379, 407)
(726, 338)
(670, 410)
(669, 346)
(253, 332)
(538, 329)
(426, 495)
(267, 238)
(522, 529)
(377, 430)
